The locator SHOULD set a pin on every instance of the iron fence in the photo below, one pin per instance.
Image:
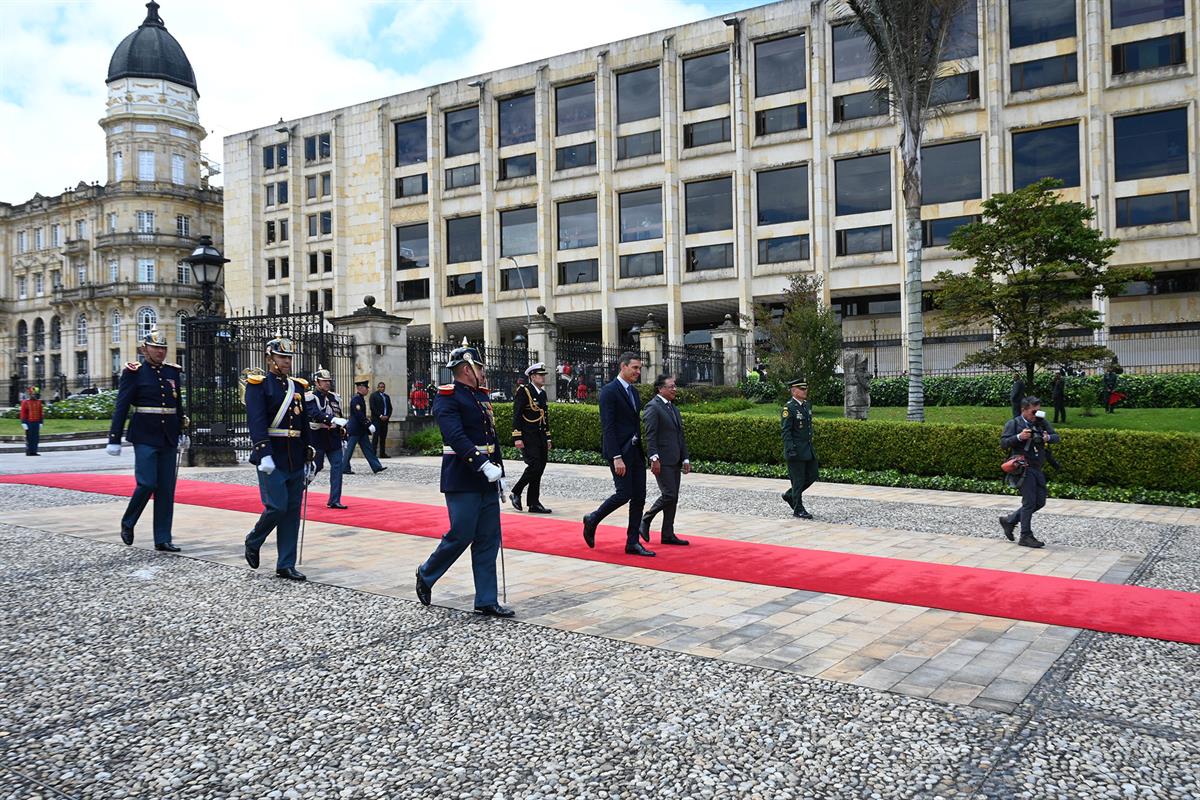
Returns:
(691, 363)
(427, 362)
(505, 365)
(583, 367)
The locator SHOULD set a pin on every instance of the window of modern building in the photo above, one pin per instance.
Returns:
(1178, 282)
(863, 184)
(518, 166)
(517, 123)
(285, 303)
(1161, 51)
(327, 260)
(269, 194)
(783, 195)
(459, 285)
(412, 186)
(1033, 21)
(641, 215)
(411, 142)
(466, 175)
(412, 246)
(951, 172)
(178, 163)
(326, 222)
(462, 131)
(1149, 145)
(779, 65)
(518, 231)
(327, 299)
(708, 257)
(642, 265)
(1136, 12)
(577, 224)
(518, 278)
(781, 249)
(310, 187)
(416, 289)
(1053, 71)
(853, 53)
(778, 120)
(710, 131)
(936, 232)
(314, 263)
(462, 239)
(637, 94)
(1153, 209)
(275, 155)
(962, 40)
(326, 184)
(1046, 153)
(583, 271)
(867, 305)
(145, 270)
(271, 307)
(271, 275)
(871, 239)
(639, 144)
(281, 192)
(270, 232)
(579, 155)
(956, 88)
(312, 224)
(317, 148)
(860, 105)
(708, 205)
(285, 264)
(313, 300)
(706, 80)
(575, 108)
(145, 165)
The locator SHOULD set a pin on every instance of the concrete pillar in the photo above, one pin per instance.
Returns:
(728, 339)
(437, 225)
(650, 342)
(543, 336)
(489, 225)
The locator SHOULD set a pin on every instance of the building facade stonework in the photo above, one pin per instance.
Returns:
(88, 272)
(690, 172)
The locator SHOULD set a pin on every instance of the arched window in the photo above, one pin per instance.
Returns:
(115, 323)
(22, 336)
(81, 331)
(39, 334)
(147, 320)
(181, 327)
(55, 333)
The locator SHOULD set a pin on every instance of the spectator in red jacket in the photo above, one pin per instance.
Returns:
(31, 421)
(419, 398)
(581, 391)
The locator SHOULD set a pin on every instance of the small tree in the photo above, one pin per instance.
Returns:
(1038, 263)
(806, 340)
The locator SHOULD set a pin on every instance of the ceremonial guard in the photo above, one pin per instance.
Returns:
(531, 435)
(328, 426)
(471, 473)
(148, 394)
(281, 451)
(798, 448)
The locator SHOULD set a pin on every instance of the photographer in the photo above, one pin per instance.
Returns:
(1029, 434)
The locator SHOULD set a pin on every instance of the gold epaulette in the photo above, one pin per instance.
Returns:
(133, 366)
(255, 379)
(301, 381)
(447, 389)
(169, 364)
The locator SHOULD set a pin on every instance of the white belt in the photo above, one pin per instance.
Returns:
(288, 432)
(447, 450)
(154, 410)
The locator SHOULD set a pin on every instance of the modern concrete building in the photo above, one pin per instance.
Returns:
(690, 172)
(87, 272)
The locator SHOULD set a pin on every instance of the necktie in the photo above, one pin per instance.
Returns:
(632, 397)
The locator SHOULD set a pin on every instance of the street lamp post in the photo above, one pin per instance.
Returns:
(207, 404)
(206, 262)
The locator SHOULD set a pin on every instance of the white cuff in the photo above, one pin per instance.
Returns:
(654, 457)
(687, 461)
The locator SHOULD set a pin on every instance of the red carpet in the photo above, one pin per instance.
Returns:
(1113, 608)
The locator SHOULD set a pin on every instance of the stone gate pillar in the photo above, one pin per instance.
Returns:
(728, 339)
(381, 351)
(543, 340)
(651, 343)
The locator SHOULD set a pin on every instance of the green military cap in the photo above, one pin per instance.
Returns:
(799, 383)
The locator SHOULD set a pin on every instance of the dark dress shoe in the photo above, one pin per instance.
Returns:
(539, 509)
(336, 505)
(674, 540)
(515, 499)
(424, 590)
(637, 550)
(166, 548)
(644, 530)
(291, 573)
(1008, 528)
(381, 469)
(1028, 540)
(348, 472)
(495, 610)
(251, 556)
(589, 531)
(126, 535)
(802, 515)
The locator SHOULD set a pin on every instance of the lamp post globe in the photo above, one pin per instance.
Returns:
(206, 262)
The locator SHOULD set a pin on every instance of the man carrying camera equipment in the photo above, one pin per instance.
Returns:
(1030, 435)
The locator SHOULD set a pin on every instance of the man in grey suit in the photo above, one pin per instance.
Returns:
(1027, 434)
(668, 452)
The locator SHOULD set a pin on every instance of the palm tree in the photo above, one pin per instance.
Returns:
(909, 38)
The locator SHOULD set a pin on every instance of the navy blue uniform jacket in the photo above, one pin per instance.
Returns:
(142, 385)
(620, 423)
(322, 407)
(359, 422)
(262, 402)
(465, 418)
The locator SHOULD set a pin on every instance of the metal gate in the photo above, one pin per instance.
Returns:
(219, 348)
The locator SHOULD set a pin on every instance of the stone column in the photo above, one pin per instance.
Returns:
(728, 339)
(543, 335)
(650, 342)
(381, 351)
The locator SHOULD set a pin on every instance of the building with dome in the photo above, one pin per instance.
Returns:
(86, 272)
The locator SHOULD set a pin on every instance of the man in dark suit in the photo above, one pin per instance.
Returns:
(621, 445)
(360, 428)
(381, 413)
(668, 452)
(1029, 436)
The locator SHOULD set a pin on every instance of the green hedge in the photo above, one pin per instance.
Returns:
(687, 396)
(1132, 459)
(84, 406)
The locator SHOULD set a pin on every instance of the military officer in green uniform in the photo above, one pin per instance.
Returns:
(798, 448)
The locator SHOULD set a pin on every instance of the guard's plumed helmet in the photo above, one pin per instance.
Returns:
(465, 354)
(281, 346)
(154, 338)
(322, 375)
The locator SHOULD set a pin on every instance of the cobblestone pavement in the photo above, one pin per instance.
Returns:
(129, 673)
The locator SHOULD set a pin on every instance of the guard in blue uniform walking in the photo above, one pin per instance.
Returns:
(148, 393)
(279, 434)
(328, 428)
(471, 473)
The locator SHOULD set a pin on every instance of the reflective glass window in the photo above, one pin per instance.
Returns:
(417, 289)
(462, 131)
(518, 231)
(412, 186)
(641, 215)
(936, 232)
(1026, 75)
(777, 120)
(458, 285)
(1161, 51)
(1153, 209)
(706, 80)
(710, 131)
(956, 88)
(707, 257)
(637, 94)
(872, 239)
(1149, 145)
(411, 142)
(709, 205)
(583, 271)
(1135, 12)
(575, 108)
(853, 53)
(783, 195)
(577, 155)
(779, 65)
(518, 279)
(516, 119)
(962, 40)
(577, 224)
(640, 265)
(466, 175)
(462, 239)
(518, 166)
(951, 172)
(860, 105)
(1033, 21)
(863, 184)
(1046, 153)
(781, 249)
(639, 144)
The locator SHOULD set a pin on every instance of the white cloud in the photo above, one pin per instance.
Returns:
(256, 62)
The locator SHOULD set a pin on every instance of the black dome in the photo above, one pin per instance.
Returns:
(151, 52)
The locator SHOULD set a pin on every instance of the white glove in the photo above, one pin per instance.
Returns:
(25, 425)
(310, 472)
(491, 471)
(185, 443)
(341, 422)
(371, 428)
(113, 449)
(503, 490)
(267, 465)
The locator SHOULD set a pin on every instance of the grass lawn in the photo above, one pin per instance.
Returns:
(12, 427)
(1136, 419)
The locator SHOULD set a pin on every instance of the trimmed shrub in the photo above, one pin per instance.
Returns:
(82, 406)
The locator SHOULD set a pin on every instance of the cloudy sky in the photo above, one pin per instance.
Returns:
(258, 61)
